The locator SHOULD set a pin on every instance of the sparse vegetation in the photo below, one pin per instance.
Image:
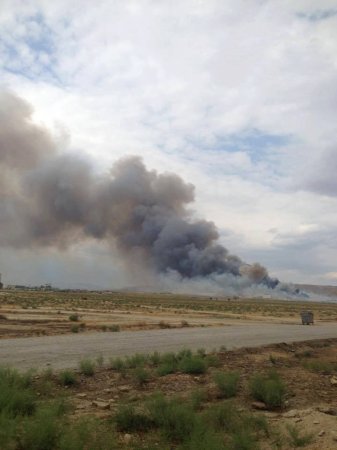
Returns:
(269, 389)
(129, 420)
(141, 376)
(298, 439)
(74, 317)
(87, 367)
(193, 365)
(227, 383)
(320, 366)
(67, 378)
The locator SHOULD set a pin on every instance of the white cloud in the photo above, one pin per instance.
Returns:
(165, 80)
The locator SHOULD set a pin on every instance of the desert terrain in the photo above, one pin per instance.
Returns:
(162, 371)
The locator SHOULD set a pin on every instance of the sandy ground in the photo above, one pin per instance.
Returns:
(66, 350)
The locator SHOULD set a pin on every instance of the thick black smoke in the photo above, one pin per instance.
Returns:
(53, 199)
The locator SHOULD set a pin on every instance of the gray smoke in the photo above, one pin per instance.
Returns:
(52, 199)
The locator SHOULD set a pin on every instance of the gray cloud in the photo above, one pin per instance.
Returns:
(322, 178)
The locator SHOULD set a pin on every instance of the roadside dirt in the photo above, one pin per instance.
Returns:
(310, 407)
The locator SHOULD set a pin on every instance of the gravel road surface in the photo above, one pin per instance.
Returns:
(66, 351)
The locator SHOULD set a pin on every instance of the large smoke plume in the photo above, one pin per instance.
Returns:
(48, 198)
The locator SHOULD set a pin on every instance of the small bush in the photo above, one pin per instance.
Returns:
(244, 440)
(166, 368)
(304, 354)
(297, 439)
(184, 353)
(163, 325)
(117, 364)
(137, 360)
(269, 389)
(75, 328)
(212, 361)
(175, 418)
(141, 376)
(100, 361)
(114, 328)
(87, 367)
(184, 324)
(67, 378)
(154, 359)
(198, 397)
(193, 365)
(87, 433)
(227, 384)
(272, 359)
(74, 317)
(223, 417)
(128, 420)
(203, 438)
(42, 433)
(16, 397)
(320, 366)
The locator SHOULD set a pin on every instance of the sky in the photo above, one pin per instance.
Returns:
(238, 98)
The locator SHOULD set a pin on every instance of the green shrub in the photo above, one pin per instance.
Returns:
(137, 360)
(87, 367)
(269, 389)
(166, 368)
(67, 378)
(128, 420)
(320, 366)
(223, 417)
(244, 440)
(141, 376)
(183, 354)
(117, 364)
(16, 397)
(15, 401)
(212, 360)
(114, 328)
(87, 433)
(42, 433)
(204, 438)
(154, 359)
(192, 365)
(75, 328)
(198, 397)
(74, 317)
(175, 418)
(296, 439)
(227, 383)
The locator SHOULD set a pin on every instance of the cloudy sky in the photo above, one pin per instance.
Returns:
(237, 97)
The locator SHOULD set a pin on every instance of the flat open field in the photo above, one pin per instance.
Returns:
(90, 390)
(25, 313)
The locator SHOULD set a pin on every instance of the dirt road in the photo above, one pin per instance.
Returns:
(65, 351)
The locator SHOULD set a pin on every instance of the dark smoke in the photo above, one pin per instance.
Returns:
(53, 199)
